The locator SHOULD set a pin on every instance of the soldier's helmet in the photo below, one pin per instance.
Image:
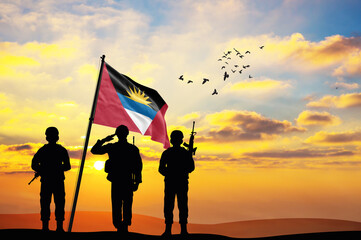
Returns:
(52, 134)
(176, 137)
(177, 134)
(122, 131)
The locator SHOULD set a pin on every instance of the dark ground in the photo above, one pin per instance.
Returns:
(38, 234)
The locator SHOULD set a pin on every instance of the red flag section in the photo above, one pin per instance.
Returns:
(111, 112)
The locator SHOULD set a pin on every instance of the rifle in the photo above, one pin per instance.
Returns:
(135, 185)
(36, 175)
(189, 145)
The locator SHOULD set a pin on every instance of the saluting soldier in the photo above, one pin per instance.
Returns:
(124, 169)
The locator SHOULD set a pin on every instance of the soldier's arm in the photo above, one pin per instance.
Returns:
(162, 164)
(98, 148)
(138, 167)
(66, 161)
(190, 163)
(35, 163)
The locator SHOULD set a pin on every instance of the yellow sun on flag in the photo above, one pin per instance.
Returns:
(138, 96)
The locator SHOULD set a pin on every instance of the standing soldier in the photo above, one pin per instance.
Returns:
(175, 165)
(50, 162)
(124, 169)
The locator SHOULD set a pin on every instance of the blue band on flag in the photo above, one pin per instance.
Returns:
(136, 106)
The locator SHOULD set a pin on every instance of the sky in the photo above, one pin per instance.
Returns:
(282, 139)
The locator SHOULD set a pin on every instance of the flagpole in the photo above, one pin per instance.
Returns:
(91, 118)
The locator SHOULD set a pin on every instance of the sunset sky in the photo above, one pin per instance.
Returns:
(285, 143)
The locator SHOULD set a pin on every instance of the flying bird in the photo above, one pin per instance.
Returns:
(241, 56)
(233, 70)
(236, 66)
(229, 58)
(261, 47)
(226, 75)
(215, 92)
(220, 59)
(190, 81)
(249, 76)
(226, 62)
(247, 52)
(205, 80)
(240, 71)
(244, 67)
(181, 78)
(223, 67)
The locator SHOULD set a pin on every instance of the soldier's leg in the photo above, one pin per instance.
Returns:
(59, 200)
(116, 205)
(127, 207)
(169, 198)
(45, 200)
(182, 199)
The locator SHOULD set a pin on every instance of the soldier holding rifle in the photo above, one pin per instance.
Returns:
(175, 165)
(49, 163)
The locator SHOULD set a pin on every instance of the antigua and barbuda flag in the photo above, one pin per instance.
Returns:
(122, 101)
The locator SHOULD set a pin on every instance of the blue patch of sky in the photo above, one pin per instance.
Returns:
(314, 19)
(155, 9)
(332, 17)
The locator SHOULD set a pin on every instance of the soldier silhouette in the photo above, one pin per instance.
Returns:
(124, 168)
(175, 165)
(50, 162)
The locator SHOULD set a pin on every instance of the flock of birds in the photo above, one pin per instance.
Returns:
(234, 68)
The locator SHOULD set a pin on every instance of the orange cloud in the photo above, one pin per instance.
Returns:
(303, 158)
(28, 149)
(260, 88)
(335, 138)
(16, 158)
(246, 126)
(342, 101)
(350, 67)
(301, 153)
(307, 118)
(332, 49)
(254, 84)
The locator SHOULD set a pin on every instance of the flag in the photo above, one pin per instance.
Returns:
(122, 101)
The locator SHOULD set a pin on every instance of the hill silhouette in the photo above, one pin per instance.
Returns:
(38, 234)
(94, 222)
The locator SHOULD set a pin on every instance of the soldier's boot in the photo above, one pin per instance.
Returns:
(59, 226)
(45, 226)
(168, 230)
(125, 228)
(184, 229)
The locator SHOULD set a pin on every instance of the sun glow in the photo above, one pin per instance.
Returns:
(138, 96)
(99, 165)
